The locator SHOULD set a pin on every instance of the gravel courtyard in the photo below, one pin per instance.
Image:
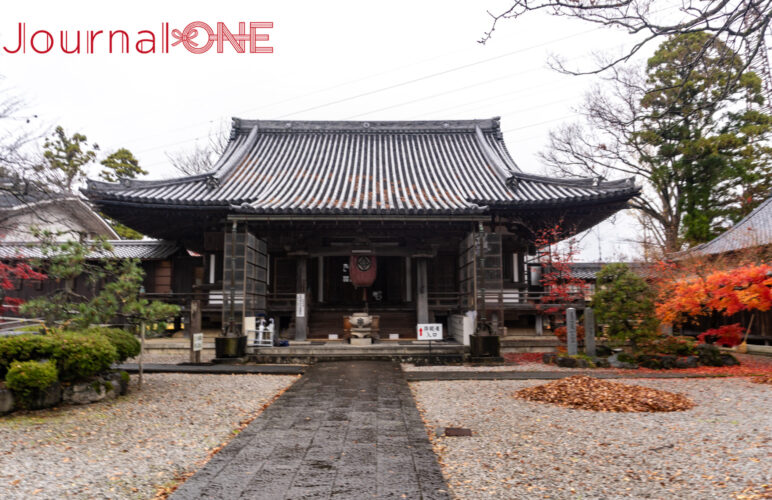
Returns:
(127, 447)
(522, 449)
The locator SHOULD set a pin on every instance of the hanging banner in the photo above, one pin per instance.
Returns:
(362, 269)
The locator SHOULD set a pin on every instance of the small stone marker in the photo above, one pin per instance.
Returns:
(457, 432)
(589, 332)
(571, 331)
(196, 346)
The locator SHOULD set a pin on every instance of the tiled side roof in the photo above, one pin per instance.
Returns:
(290, 167)
(588, 270)
(752, 231)
(122, 249)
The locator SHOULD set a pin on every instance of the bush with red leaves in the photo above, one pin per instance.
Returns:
(562, 334)
(727, 335)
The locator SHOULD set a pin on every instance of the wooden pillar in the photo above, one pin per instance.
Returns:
(421, 291)
(408, 280)
(301, 304)
(320, 280)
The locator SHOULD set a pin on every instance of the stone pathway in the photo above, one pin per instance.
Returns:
(346, 430)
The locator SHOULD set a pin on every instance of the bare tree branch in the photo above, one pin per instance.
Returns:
(741, 25)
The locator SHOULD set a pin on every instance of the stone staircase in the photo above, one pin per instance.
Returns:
(404, 351)
(527, 340)
(323, 323)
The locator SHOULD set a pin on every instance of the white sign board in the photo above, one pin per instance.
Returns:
(300, 305)
(198, 341)
(429, 331)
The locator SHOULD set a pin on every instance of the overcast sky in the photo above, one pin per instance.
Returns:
(332, 60)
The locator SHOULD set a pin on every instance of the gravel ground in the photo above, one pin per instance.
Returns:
(521, 449)
(127, 447)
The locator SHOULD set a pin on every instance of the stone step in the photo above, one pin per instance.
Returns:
(425, 358)
(349, 350)
(312, 353)
(535, 340)
(516, 350)
(529, 343)
(521, 332)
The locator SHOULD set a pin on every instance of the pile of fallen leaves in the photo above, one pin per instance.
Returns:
(588, 393)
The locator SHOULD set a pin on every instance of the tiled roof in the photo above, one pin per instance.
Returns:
(122, 249)
(752, 231)
(304, 167)
(588, 270)
(12, 197)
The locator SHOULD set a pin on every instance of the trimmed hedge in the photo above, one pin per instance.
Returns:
(77, 355)
(80, 356)
(29, 379)
(126, 345)
(25, 347)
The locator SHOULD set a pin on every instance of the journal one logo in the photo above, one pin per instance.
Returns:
(197, 37)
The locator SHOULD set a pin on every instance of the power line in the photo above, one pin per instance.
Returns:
(435, 75)
(383, 89)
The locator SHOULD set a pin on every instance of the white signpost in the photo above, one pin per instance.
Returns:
(429, 331)
(300, 305)
(198, 341)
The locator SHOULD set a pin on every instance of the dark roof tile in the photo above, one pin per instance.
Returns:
(398, 167)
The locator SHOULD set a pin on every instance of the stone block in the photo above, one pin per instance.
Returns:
(358, 341)
(616, 363)
(566, 362)
(686, 362)
(729, 360)
(709, 355)
(51, 396)
(7, 402)
(668, 362)
(99, 389)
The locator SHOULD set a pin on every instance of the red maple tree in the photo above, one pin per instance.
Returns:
(12, 275)
(726, 291)
(561, 286)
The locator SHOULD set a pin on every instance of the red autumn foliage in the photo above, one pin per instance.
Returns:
(727, 292)
(560, 286)
(523, 357)
(10, 276)
(727, 335)
(562, 334)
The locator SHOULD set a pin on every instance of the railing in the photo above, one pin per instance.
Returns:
(9, 325)
(210, 295)
(524, 299)
(447, 300)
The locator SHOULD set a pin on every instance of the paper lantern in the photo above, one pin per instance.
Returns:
(362, 270)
